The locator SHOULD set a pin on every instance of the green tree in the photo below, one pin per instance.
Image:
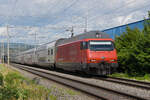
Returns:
(133, 48)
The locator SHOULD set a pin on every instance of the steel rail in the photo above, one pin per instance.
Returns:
(89, 88)
(127, 82)
(135, 81)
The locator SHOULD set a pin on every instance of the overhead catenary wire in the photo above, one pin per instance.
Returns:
(118, 8)
(59, 27)
(71, 5)
(115, 9)
(115, 16)
(13, 11)
(63, 10)
(8, 36)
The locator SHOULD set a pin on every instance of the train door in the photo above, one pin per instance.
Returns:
(48, 55)
(51, 55)
(83, 47)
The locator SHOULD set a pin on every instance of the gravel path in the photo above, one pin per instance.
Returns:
(123, 88)
(116, 86)
(50, 84)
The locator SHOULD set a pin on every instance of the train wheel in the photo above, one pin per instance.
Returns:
(54, 66)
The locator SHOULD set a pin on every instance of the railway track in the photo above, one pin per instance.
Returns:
(127, 82)
(82, 85)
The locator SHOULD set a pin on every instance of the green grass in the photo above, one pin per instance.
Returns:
(14, 86)
(146, 77)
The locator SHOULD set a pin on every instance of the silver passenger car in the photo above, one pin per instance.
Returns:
(43, 56)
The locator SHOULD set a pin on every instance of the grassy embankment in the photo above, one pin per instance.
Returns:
(14, 86)
(123, 75)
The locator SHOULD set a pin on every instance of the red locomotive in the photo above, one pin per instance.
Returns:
(92, 52)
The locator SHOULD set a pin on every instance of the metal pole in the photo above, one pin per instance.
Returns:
(86, 20)
(3, 51)
(72, 33)
(35, 49)
(86, 24)
(25, 46)
(7, 45)
(19, 48)
(35, 43)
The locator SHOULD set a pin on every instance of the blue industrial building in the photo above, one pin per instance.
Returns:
(116, 31)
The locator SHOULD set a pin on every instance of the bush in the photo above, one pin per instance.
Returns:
(10, 87)
(1, 79)
(134, 51)
(13, 79)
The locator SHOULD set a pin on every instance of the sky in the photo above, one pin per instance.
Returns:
(49, 19)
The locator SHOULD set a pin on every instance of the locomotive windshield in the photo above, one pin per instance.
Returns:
(101, 45)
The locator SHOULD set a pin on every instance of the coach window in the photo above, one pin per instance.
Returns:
(51, 51)
(48, 51)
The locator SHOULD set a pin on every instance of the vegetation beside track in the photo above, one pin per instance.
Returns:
(133, 49)
(14, 86)
(146, 77)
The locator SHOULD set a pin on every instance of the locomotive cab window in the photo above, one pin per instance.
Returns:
(84, 45)
(101, 45)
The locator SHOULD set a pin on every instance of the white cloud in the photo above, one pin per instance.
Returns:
(54, 16)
